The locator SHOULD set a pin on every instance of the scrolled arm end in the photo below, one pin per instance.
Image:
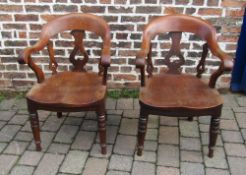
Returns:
(228, 63)
(140, 60)
(105, 57)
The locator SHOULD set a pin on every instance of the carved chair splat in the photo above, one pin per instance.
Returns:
(173, 93)
(69, 91)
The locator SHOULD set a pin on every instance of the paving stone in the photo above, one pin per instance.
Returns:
(169, 135)
(43, 115)
(168, 155)
(188, 168)
(46, 139)
(58, 148)
(52, 124)
(91, 115)
(49, 164)
(74, 162)
(125, 145)
(111, 133)
(66, 134)
(204, 119)
(27, 127)
(168, 121)
(193, 144)
(22, 170)
(120, 162)
(131, 113)
(99, 169)
(227, 114)
(148, 156)
(143, 168)
(19, 119)
(229, 101)
(8, 132)
(77, 114)
(16, 147)
(6, 115)
(150, 145)
(113, 120)
(111, 172)
(89, 125)
(219, 159)
(6, 163)
(213, 171)
(153, 121)
(20, 104)
(243, 131)
(111, 103)
(241, 119)
(2, 146)
(114, 112)
(237, 165)
(241, 101)
(2, 123)
(161, 170)
(84, 140)
(7, 104)
(151, 134)
(23, 136)
(239, 109)
(232, 136)
(125, 103)
(76, 121)
(229, 125)
(233, 149)
(30, 158)
(136, 103)
(128, 126)
(205, 139)
(204, 128)
(188, 129)
(96, 151)
(191, 156)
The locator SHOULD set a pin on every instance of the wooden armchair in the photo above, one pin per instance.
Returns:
(173, 93)
(69, 91)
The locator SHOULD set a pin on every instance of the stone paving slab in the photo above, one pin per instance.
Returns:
(173, 146)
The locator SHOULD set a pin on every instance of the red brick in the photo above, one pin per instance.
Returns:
(4, 17)
(210, 11)
(235, 13)
(37, 8)
(118, 77)
(233, 3)
(11, 8)
(92, 9)
(26, 17)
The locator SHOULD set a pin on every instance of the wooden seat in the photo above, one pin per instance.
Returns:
(173, 93)
(75, 90)
(69, 89)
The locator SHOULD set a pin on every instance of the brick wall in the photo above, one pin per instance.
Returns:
(21, 21)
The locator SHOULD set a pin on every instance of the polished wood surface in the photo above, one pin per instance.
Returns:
(69, 91)
(173, 93)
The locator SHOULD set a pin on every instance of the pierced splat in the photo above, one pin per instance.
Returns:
(201, 66)
(174, 59)
(79, 46)
(53, 64)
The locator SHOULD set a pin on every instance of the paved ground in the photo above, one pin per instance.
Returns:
(70, 145)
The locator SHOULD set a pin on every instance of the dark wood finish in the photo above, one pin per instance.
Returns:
(173, 93)
(75, 90)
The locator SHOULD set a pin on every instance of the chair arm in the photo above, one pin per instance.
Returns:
(140, 63)
(105, 57)
(25, 58)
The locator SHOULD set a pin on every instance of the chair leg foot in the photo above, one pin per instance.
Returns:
(190, 119)
(102, 133)
(142, 127)
(213, 134)
(35, 129)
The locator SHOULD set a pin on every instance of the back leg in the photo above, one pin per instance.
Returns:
(213, 134)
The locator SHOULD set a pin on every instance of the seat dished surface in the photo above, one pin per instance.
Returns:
(69, 89)
(178, 91)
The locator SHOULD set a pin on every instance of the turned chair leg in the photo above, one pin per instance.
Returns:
(59, 114)
(142, 128)
(35, 128)
(213, 134)
(190, 118)
(102, 130)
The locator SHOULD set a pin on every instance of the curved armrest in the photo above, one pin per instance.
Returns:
(25, 58)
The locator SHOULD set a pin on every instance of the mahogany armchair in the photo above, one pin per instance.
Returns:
(175, 94)
(69, 91)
